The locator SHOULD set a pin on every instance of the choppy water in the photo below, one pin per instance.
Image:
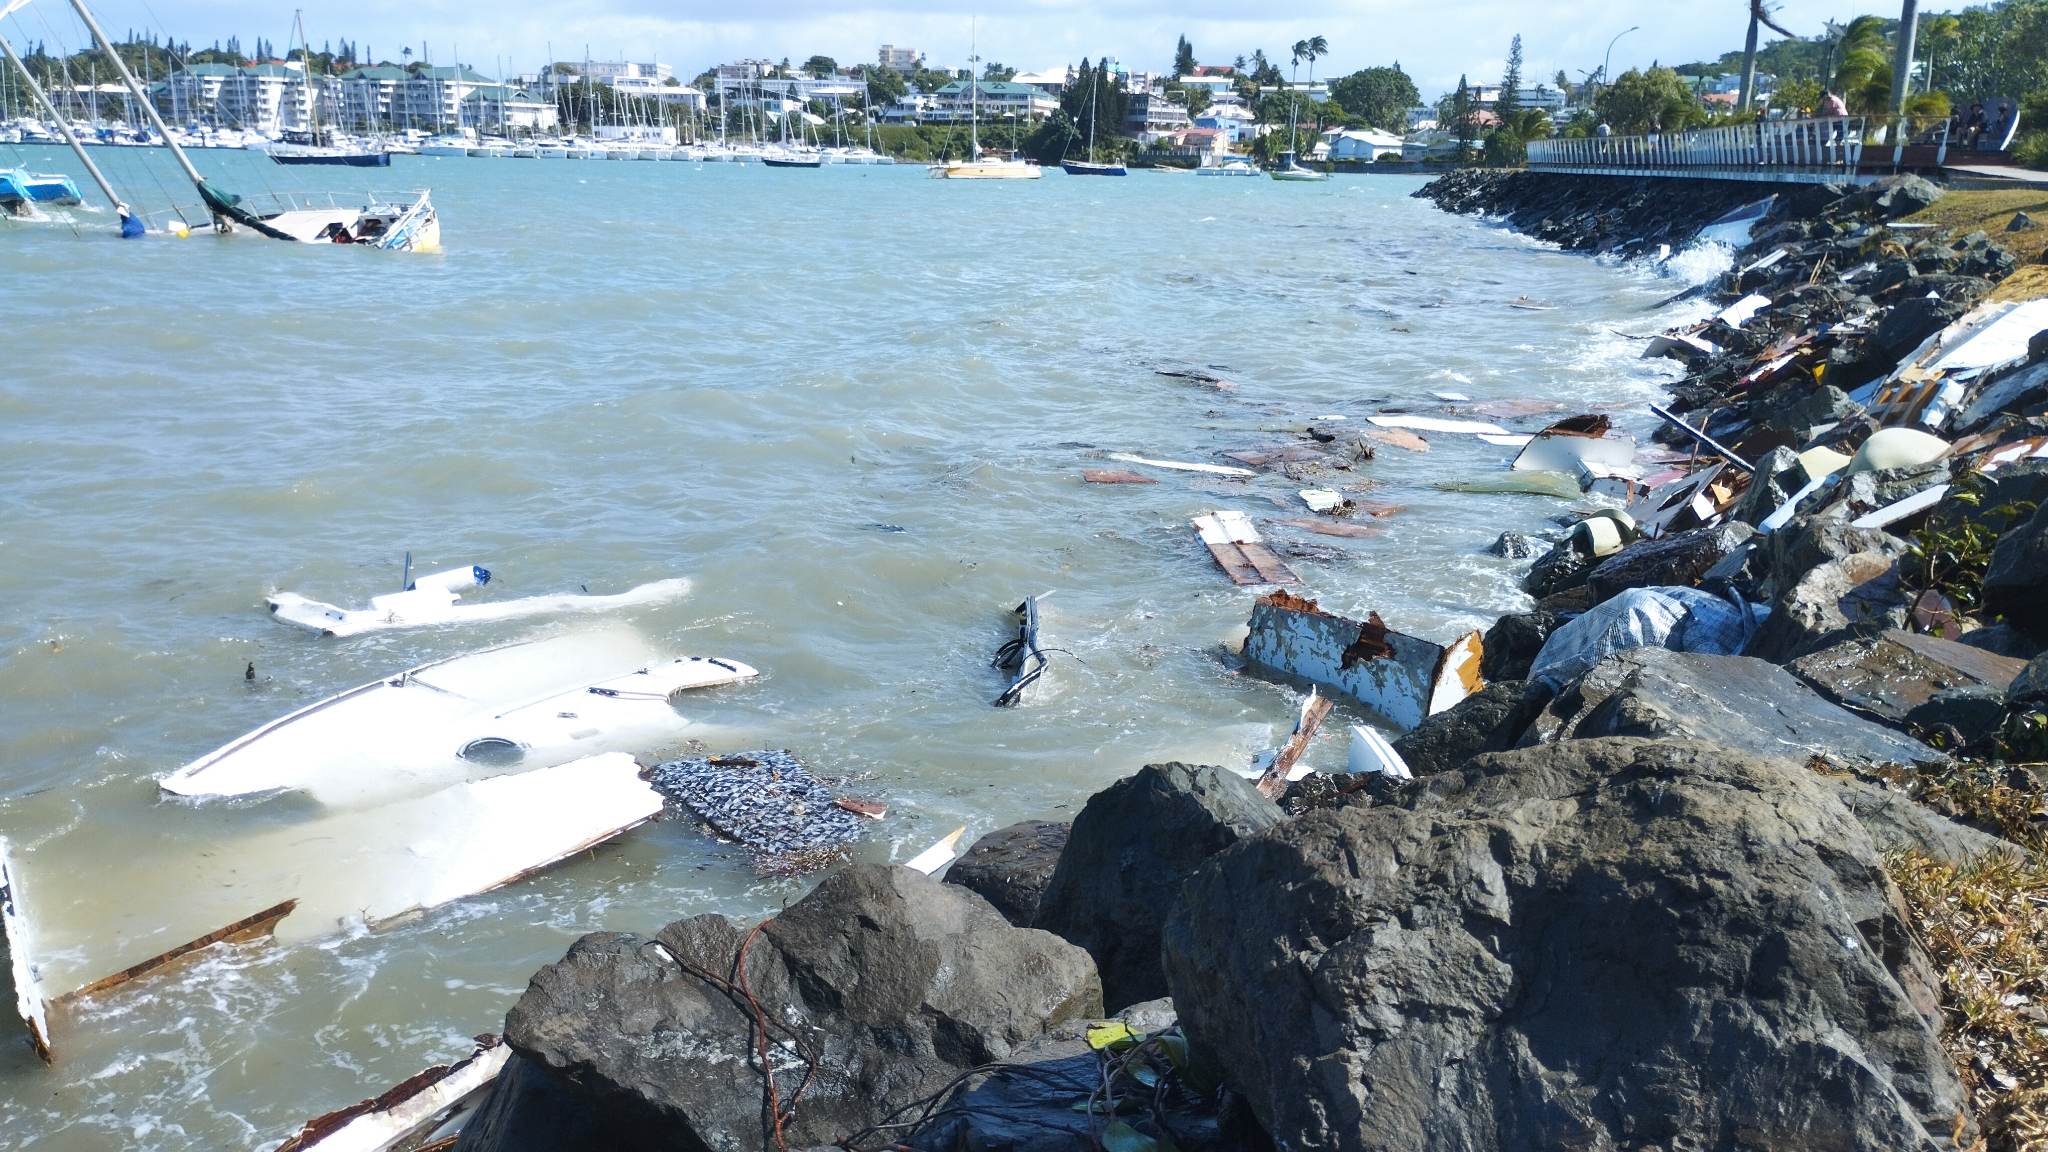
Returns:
(851, 404)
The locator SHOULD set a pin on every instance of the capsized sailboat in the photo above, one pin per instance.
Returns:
(406, 223)
(34, 189)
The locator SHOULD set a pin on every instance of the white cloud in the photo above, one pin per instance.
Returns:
(1435, 41)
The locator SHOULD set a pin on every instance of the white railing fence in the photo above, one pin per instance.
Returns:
(1774, 145)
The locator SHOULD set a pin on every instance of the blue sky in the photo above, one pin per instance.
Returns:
(1434, 41)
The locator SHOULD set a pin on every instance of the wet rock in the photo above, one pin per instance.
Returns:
(1511, 645)
(894, 981)
(1859, 593)
(1604, 944)
(1512, 546)
(1888, 676)
(1010, 867)
(1563, 567)
(1130, 849)
(2018, 572)
(1678, 560)
(1958, 719)
(529, 1109)
(1733, 701)
(1490, 720)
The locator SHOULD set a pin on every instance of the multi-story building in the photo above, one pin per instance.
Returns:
(1051, 81)
(433, 98)
(192, 93)
(1152, 116)
(368, 97)
(992, 100)
(266, 98)
(756, 83)
(509, 108)
(904, 60)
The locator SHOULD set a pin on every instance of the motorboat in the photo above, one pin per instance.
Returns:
(20, 189)
(1228, 168)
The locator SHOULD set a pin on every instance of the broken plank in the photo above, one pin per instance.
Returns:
(1332, 528)
(1274, 780)
(19, 942)
(1235, 544)
(940, 854)
(867, 808)
(1181, 465)
(1398, 438)
(241, 931)
(1434, 424)
(414, 1114)
(1114, 476)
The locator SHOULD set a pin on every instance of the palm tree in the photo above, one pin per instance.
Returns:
(1864, 76)
(1316, 46)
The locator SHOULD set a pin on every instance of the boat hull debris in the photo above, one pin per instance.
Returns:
(1283, 769)
(1021, 656)
(432, 603)
(534, 704)
(1437, 424)
(242, 931)
(1400, 678)
(416, 1113)
(1240, 552)
(1182, 465)
(940, 854)
(29, 1003)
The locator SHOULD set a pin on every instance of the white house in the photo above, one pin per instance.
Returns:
(997, 99)
(1238, 123)
(1152, 116)
(1050, 82)
(1359, 144)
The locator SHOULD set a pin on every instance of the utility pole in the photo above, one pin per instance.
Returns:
(1902, 64)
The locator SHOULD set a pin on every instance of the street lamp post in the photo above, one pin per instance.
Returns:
(1610, 52)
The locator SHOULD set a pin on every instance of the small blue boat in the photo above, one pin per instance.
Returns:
(18, 187)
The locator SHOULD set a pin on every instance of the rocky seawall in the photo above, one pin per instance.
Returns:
(1662, 882)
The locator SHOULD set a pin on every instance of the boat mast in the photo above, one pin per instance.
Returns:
(128, 78)
(306, 58)
(70, 137)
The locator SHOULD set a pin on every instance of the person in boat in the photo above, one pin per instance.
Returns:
(341, 235)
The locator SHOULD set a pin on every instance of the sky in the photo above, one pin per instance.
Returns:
(1434, 41)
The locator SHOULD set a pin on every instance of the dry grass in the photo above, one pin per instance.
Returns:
(2029, 283)
(1986, 928)
(1962, 212)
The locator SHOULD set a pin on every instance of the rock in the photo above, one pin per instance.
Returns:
(1679, 559)
(1912, 320)
(1605, 944)
(1897, 823)
(1131, 847)
(2021, 222)
(1563, 567)
(1010, 867)
(1509, 647)
(1888, 676)
(896, 982)
(1733, 701)
(1512, 546)
(2017, 574)
(529, 1110)
(1901, 196)
(1778, 475)
(2004, 640)
(1955, 719)
(1489, 720)
(1806, 542)
(2030, 687)
(1860, 592)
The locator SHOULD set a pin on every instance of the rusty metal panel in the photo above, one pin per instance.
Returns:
(1398, 677)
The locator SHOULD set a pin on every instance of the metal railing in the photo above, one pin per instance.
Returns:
(1823, 148)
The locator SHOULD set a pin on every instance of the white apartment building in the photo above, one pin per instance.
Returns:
(994, 100)
(904, 60)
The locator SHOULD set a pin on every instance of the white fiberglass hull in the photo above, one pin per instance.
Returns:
(988, 170)
(435, 605)
(507, 709)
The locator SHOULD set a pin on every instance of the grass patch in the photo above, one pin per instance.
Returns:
(1986, 928)
(2029, 283)
(1961, 212)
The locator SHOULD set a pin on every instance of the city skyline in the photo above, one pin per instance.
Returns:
(518, 39)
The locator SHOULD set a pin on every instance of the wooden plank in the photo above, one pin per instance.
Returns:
(1313, 710)
(1235, 544)
(1268, 566)
(1333, 528)
(1398, 438)
(1114, 476)
(247, 928)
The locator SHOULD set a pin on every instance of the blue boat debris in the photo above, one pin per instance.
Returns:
(768, 803)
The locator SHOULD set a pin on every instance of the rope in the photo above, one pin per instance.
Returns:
(741, 992)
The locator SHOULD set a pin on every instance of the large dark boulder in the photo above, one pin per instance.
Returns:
(895, 982)
(1676, 560)
(1858, 594)
(1733, 701)
(1489, 720)
(1911, 321)
(1132, 846)
(2014, 583)
(1010, 867)
(1511, 645)
(1605, 944)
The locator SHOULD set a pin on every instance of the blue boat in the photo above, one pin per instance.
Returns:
(18, 187)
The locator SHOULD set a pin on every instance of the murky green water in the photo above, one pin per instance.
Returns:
(851, 404)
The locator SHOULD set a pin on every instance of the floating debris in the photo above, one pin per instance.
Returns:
(1239, 551)
(767, 802)
(1400, 677)
(425, 1111)
(1181, 465)
(1114, 476)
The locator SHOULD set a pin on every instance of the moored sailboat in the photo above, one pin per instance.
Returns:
(1090, 166)
(976, 166)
